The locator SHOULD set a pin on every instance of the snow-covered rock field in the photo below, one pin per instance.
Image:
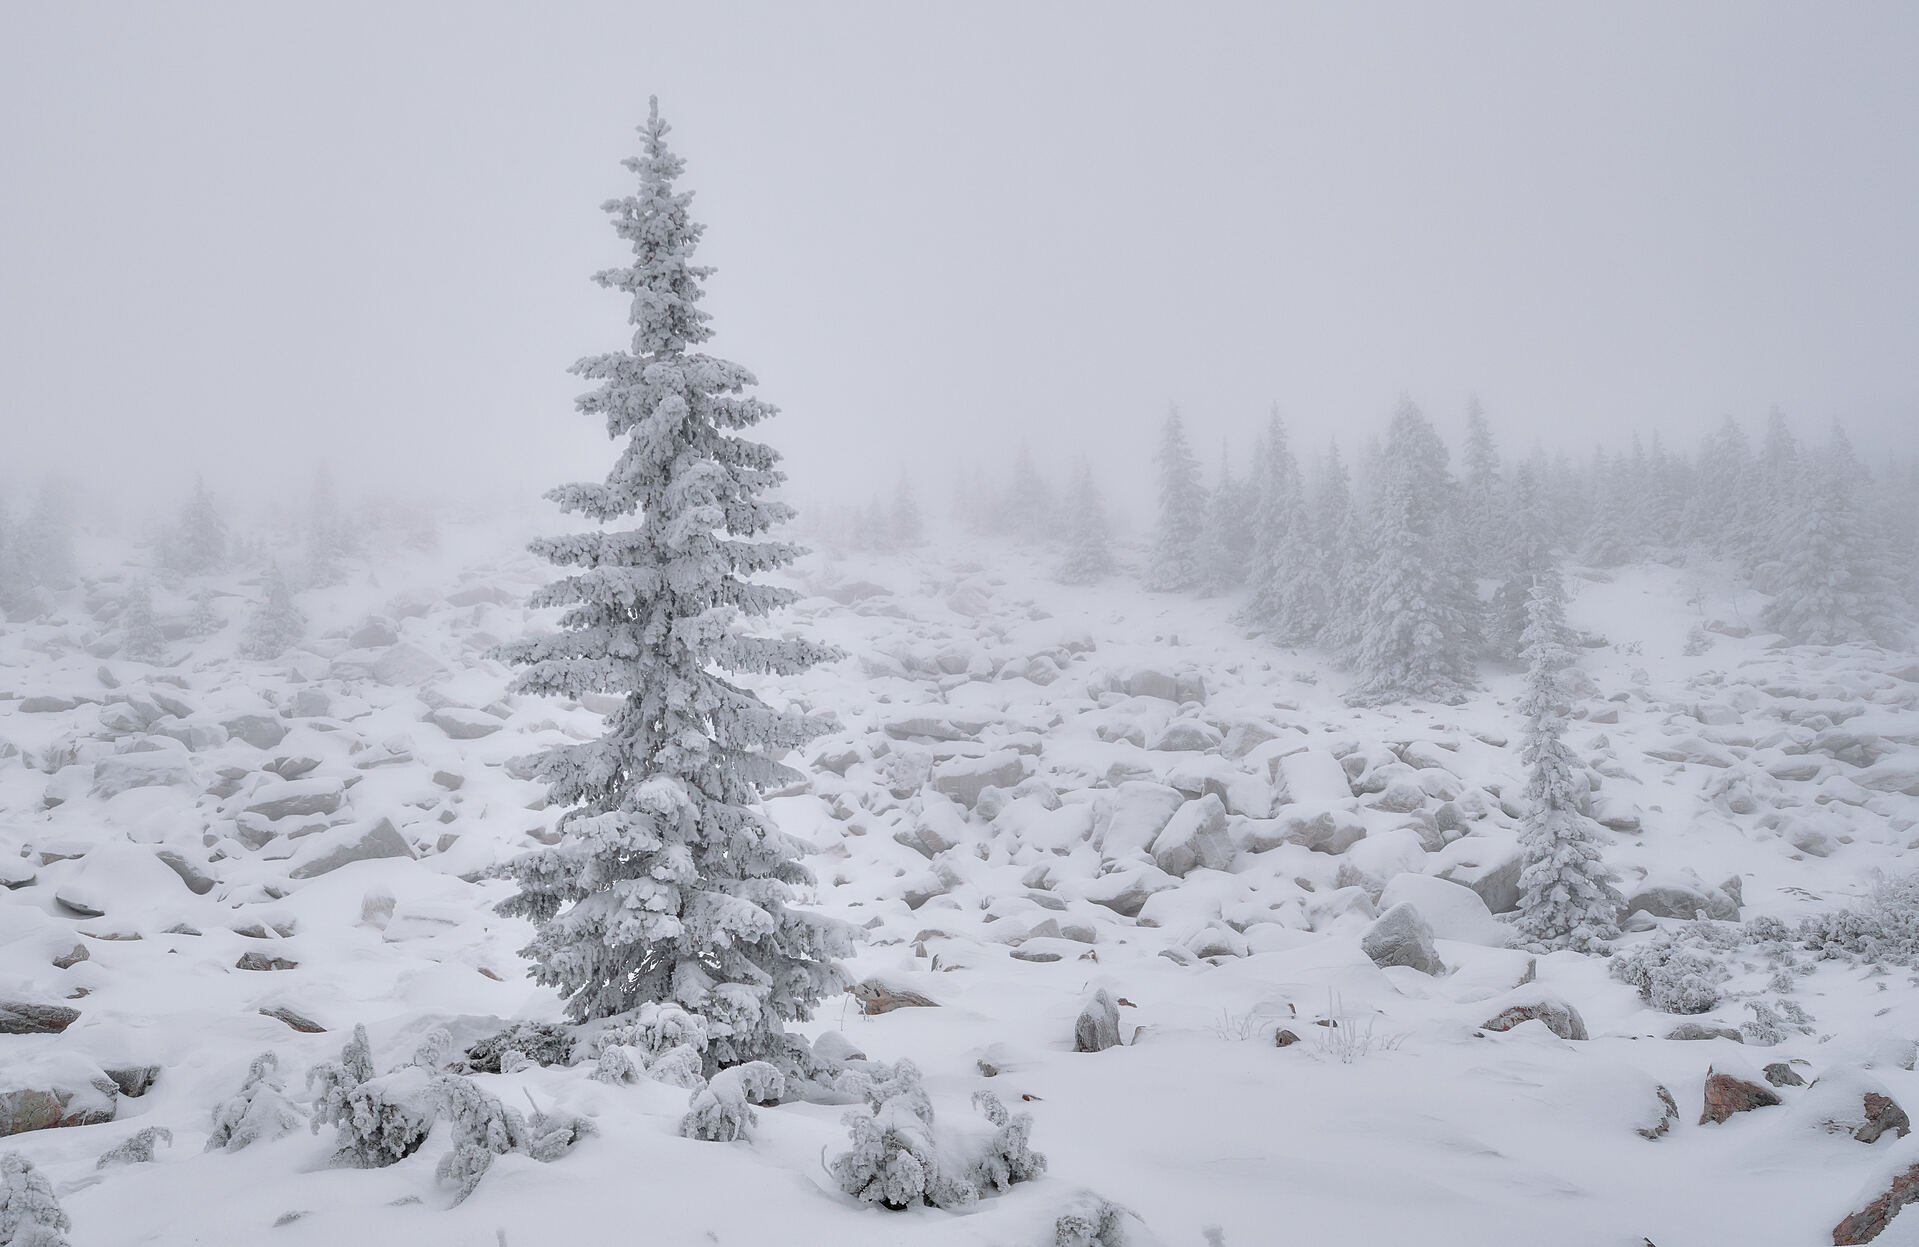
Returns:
(1034, 794)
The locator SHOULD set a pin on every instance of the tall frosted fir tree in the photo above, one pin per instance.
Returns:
(667, 884)
(1567, 898)
(1178, 559)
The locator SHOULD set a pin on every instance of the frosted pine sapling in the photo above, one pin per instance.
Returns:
(721, 1111)
(894, 1161)
(260, 1112)
(669, 884)
(136, 1149)
(30, 1216)
(1567, 898)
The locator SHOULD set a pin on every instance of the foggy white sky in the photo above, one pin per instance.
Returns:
(255, 234)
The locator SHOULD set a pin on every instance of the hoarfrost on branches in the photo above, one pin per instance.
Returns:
(669, 885)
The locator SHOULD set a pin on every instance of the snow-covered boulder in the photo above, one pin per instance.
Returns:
(1195, 836)
(328, 851)
(296, 798)
(1402, 937)
(159, 768)
(262, 731)
(1320, 827)
(1188, 736)
(116, 879)
(1312, 775)
(1452, 910)
(48, 1088)
(460, 723)
(1129, 819)
(963, 779)
(1489, 865)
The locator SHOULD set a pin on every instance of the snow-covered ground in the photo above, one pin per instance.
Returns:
(216, 840)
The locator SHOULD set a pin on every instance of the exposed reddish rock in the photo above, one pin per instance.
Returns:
(299, 1022)
(878, 997)
(1560, 1018)
(1726, 1095)
(34, 1109)
(1668, 1117)
(260, 961)
(1882, 1114)
(1866, 1224)
(22, 1017)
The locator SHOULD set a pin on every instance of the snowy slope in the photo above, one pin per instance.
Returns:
(995, 811)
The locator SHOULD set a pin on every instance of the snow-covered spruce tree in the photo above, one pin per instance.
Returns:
(1482, 498)
(1340, 536)
(909, 531)
(1830, 584)
(328, 535)
(198, 543)
(1611, 538)
(276, 623)
(1177, 560)
(1226, 540)
(668, 884)
(140, 636)
(1721, 511)
(1026, 513)
(206, 618)
(1419, 628)
(1526, 554)
(45, 540)
(1089, 556)
(1567, 898)
(1275, 514)
(30, 1216)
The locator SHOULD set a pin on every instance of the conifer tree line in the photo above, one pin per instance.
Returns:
(1411, 565)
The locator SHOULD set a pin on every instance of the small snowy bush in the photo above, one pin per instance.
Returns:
(1093, 1221)
(1882, 929)
(1772, 1025)
(1009, 1156)
(894, 1161)
(29, 1214)
(137, 1150)
(719, 1112)
(542, 1043)
(385, 1120)
(380, 1119)
(1671, 976)
(258, 1113)
(333, 1081)
(484, 1128)
(663, 1042)
(435, 1050)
